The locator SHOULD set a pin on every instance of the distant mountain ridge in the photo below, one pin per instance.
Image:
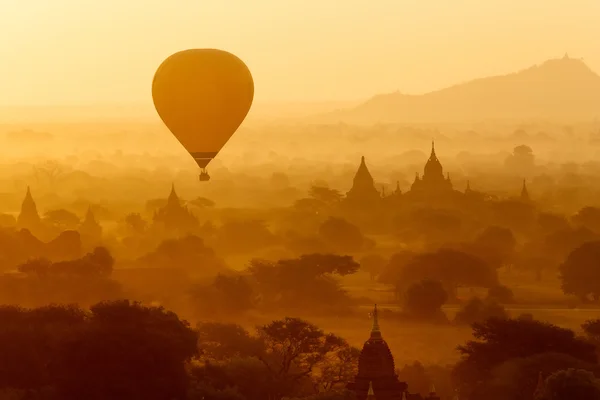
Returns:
(558, 89)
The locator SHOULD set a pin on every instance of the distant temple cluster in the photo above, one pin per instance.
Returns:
(432, 187)
(30, 220)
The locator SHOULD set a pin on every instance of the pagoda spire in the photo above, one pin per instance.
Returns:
(433, 393)
(89, 215)
(173, 199)
(375, 332)
(539, 389)
(524, 192)
(371, 393)
(28, 217)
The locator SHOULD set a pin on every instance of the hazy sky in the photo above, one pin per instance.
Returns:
(106, 51)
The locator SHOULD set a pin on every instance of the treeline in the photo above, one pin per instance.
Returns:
(126, 350)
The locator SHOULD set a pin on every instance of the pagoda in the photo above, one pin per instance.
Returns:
(433, 180)
(363, 192)
(176, 217)
(90, 228)
(28, 217)
(377, 376)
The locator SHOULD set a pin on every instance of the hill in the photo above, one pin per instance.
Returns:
(557, 90)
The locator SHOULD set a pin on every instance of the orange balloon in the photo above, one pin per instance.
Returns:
(203, 96)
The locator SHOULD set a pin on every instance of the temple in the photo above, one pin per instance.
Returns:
(363, 192)
(433, 181)
(176, 217)
(90, 230)
(28, 217)
(377, 378)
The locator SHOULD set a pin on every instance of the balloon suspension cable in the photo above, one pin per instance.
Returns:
(204, 176)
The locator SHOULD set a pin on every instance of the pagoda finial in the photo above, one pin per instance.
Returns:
(524, 192)
(375, 332)
(371, 393)
(540, 384)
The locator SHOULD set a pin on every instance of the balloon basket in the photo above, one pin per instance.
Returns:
(203, 177)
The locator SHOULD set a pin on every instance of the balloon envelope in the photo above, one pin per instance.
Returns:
(202, 96)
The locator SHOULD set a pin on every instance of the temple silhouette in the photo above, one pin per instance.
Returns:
(433, 181)
(431, 188)
(377, 378)
(175, 217)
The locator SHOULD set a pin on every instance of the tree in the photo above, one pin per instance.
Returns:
(592, 329)
(521, 161)
(496, 245)
(501, 293)
(36, 266)
(325, 195)
(135, 223)
(341, 395)
(580, 273)
(452, 268)
(226, 341)
(559, 244)
(97, 264)
(373, 264)
(337, 368)
(477, 310)
(244, 236)
(227, 296)
(341, 235)
(48, 171)
(285, 283)
(550, 222)
(31, 341)
(62, 219)
(499, 340)
(425, 298)
(518, 378)
(140, 352)
(189, 252)
(571, 384)
(392, 272)
(293, 350)
(416, 377)
(588, 217)
(535, 264)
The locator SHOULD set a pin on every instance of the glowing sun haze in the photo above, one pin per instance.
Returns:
(74, 52)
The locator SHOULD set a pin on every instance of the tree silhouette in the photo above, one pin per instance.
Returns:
(425, 298)
(580, 273)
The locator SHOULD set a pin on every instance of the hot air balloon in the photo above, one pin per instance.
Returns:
(202, 96)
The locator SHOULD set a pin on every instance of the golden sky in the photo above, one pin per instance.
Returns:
(74, 52)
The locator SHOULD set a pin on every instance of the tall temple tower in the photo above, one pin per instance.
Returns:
(524, 192)
(90, 229)
(363, 191)
(376, 369)
(29, 217)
